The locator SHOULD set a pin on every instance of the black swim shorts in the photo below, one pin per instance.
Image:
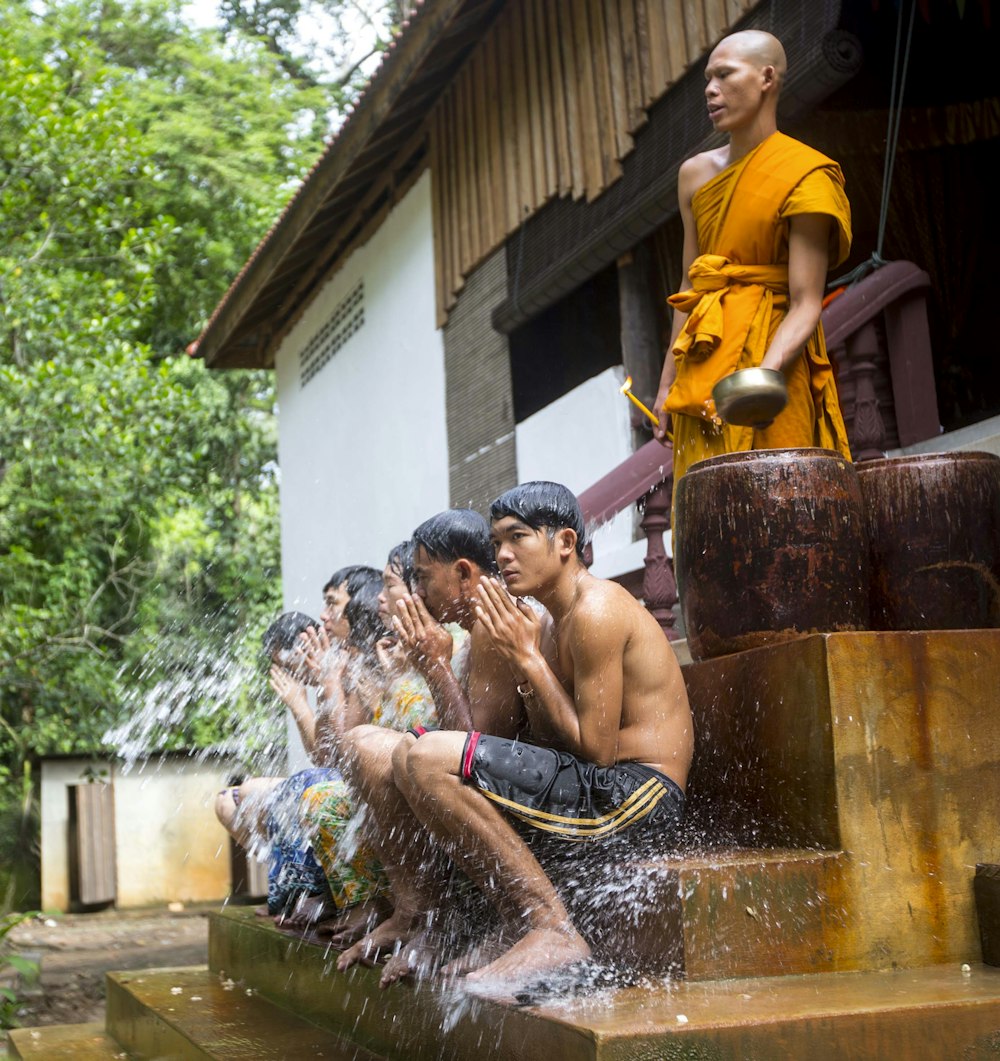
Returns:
(566, 797)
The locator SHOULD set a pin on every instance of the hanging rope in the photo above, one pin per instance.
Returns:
(876, 261)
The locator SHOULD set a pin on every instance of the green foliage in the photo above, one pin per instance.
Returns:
(23, 969)
(140, 162)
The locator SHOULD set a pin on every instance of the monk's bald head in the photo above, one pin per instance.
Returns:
(756, 47)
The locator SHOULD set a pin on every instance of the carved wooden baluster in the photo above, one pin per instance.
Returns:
(659, 589)
(869, 430)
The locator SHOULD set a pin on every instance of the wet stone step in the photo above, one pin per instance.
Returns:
(194, 1014)
(930, 1014)
(703, 915)
(60, 1042)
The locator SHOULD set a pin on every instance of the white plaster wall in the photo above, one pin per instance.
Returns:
(363, 446)
(169, 845)
(576, 440)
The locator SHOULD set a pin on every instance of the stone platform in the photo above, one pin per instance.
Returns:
(845, 787)
(931, 1014)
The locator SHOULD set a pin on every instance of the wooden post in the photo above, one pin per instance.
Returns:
(639, 335)
(659, 589)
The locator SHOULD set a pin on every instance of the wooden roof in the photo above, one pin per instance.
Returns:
(382, 141)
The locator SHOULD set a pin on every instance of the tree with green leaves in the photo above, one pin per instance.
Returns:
(140, 162)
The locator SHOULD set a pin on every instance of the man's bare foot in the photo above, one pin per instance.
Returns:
(482, 953)
(307, 911)
(355, 923)
(539, 951)
(384, 937)
(262, 911)
(416, 958)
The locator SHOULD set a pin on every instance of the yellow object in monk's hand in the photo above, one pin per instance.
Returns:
(626, 389)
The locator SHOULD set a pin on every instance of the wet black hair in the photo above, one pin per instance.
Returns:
(400, 560)
(361, 613)
(539, 505)
(457, 534)
(284, 632)
(352, 577)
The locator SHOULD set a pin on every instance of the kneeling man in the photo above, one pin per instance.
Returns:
(610, 731)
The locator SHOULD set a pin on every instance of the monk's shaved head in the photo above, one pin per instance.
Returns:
(757, 47)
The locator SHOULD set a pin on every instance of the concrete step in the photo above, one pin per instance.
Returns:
(931, 1014)
(192, 1014)
(62, 1042)
(718, 914)
(703, 915)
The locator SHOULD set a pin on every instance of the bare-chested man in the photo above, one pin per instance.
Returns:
(765, 217)
(609, 721)
(473, 690)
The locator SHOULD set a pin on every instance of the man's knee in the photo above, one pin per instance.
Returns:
(367, 753)
(225, 808)
(400, 753)
(430, 760)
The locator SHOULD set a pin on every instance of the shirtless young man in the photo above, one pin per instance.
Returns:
(452, 553)
(608, 715)
(765, 217)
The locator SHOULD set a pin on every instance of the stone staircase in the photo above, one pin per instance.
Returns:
(846, 787)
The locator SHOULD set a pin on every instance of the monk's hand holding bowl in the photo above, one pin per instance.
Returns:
(750, 397)
(514, 628)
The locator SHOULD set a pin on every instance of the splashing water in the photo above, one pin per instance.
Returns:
(212, 700)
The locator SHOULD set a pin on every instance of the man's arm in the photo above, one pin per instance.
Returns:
(339, 707)
(292, 694)
(335, 716)
(493, 698)
(429, 647)
(688, 178)
(808, 262)
(586, 723)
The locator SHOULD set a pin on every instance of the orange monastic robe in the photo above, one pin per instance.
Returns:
(740, 296)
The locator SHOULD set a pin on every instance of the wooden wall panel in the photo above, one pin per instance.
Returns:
(548, 104)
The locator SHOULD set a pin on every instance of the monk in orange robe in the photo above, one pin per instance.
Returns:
(765, 218)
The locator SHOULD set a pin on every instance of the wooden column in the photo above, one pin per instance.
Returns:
(639, 335)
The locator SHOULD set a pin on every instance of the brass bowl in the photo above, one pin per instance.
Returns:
(750, 397)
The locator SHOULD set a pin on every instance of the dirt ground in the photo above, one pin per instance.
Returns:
(76, 950)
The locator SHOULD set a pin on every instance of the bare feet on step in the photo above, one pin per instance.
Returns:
(416, 959)
(308, 910)
(541, 950)
(485, 951)
(386, 936)
(355, 923)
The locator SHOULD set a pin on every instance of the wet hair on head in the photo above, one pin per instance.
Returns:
(543, 505)
(457, 534)
(284, 632)
(352, 578)
(400, 561)
(365, 623)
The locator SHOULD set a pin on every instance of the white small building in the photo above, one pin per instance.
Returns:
(144, 837)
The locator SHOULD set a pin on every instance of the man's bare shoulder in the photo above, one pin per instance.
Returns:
(606, 604)
(700, 169)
